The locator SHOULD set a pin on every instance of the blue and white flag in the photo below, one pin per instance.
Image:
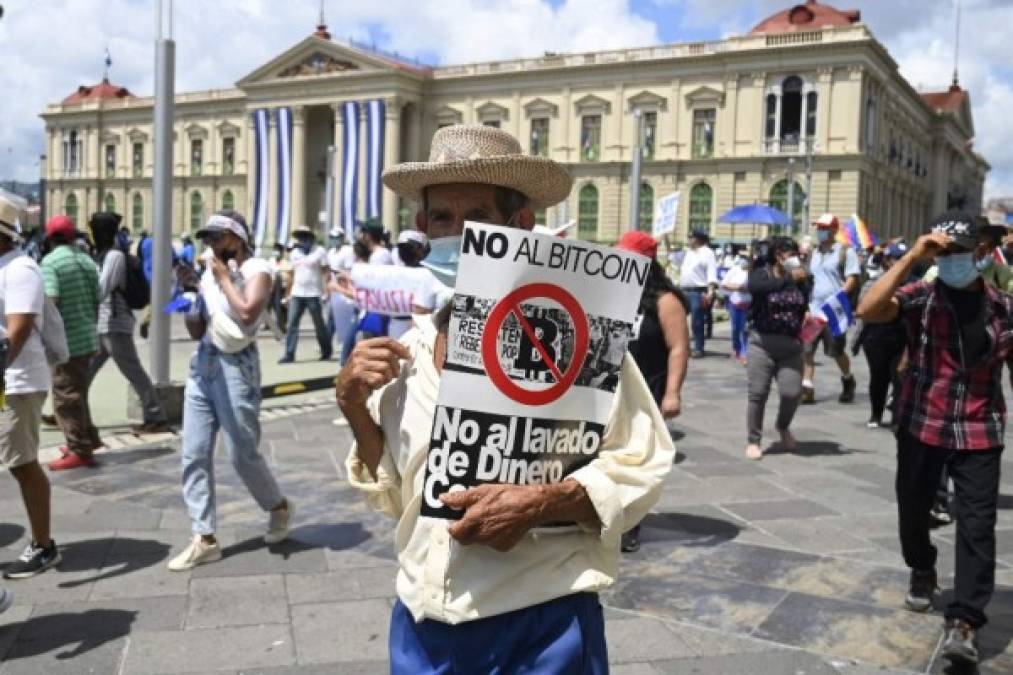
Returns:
(375, 114)
(837, 311)
(350, 169)
(262, 169)
(283, 138)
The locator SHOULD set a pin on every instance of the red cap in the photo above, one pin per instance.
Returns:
(827, 221)
(638, 242)
(61, 225)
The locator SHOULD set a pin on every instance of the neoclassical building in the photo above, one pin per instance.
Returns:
(809, 104)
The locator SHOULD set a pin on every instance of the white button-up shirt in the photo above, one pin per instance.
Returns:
(699, 268)
(442, 579)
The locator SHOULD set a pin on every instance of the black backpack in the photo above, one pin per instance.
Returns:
(136, 290)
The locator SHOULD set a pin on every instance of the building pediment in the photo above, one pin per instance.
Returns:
(196, 131)
(705, 95)
(137, 135)
(109, 138)
(492, 111)
(315, 57)
(227, 128)
(591, 104)
(539, 107)
(447, 115)
(647, 100)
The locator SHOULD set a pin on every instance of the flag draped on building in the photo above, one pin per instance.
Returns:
(261, 182)
(350, 168)
(375, 114)
(837, 311)
(283, 126)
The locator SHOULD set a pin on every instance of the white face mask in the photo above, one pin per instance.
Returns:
(444, 256)
(792, 263)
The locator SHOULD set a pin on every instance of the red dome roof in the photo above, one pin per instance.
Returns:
(98, 92)
(946, 101)
(808, 16)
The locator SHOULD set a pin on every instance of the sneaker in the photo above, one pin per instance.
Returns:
(696, 355)
(34, 560)
(72, 460)
(6, 599)
(286, 359)
(631, 540)
(874, 423)
(197, 553)
(961, 644)
(279, 524)
(921, 591)
(808, 396)
(50, 421)
(150, 428)
(940, 512)
(848, 386)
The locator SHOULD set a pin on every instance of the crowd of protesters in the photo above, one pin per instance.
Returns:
(935, 323)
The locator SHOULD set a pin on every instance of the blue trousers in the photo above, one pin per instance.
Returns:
(698, 318)
(565, 636)
(740, 332)
(298, 305)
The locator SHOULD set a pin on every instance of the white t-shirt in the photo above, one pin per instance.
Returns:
(307, 268)
(699, 268)
(341, 259)
(381, 256)
(431, 293)
(22, 292)
(215, 300)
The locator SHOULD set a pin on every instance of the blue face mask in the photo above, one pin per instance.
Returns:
(444, 255)
(822, 236)
(957, 270)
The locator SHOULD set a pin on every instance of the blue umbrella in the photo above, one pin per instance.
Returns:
(756, 214)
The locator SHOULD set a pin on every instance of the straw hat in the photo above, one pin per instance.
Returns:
(481, 154)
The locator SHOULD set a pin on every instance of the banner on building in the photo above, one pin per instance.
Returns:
(262, 174)
(350, 168)
(375, 114)
(538, 332)
(666, 214)
(283, 139)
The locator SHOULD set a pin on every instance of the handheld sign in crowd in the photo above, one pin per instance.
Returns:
(666, 215)
(392, 289)
(538, 331)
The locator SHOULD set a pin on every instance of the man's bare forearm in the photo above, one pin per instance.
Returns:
(567, 501)
(368, 436)
(874, 307)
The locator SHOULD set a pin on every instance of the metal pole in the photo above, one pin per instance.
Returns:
(43, 186)
(808, 180)
(791, 195)
(638, 156)
(161, 277)
(329, 189)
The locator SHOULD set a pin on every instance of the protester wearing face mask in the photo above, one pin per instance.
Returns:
(834, 268)
(309, 271)
(735, 282)
(698, 279)
(951, 413)
(412, 249)
(994, 268)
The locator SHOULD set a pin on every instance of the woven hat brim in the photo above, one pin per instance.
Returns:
(543, 181)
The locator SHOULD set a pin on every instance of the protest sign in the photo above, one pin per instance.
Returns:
(666, 214)
(538, 331)
(392, 289)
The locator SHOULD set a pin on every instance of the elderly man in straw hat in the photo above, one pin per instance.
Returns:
(491, 592)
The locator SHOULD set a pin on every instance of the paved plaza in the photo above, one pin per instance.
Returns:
(786, 566)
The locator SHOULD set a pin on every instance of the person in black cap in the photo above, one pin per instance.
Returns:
(950, 413)
(699, 280)
(372, 235)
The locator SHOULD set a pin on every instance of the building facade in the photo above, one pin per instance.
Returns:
(808, 107)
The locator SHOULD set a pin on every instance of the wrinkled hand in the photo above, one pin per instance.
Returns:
(220, 270)
(671, 406)
(372, 364)
(928, 245)
(496, 515)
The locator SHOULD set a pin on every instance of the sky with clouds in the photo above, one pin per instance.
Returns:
(49, 47)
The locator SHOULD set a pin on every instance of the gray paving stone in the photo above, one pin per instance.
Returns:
(342, 631)
(640, 639)
(11, 623)
(59, 655)
(775, 662)
(775, 510)
(350, 584)
(81, 618)
(233, 648)
(344, 668)
(236, 601)
(253, 557)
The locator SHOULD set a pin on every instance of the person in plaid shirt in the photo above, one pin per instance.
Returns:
(951, 413)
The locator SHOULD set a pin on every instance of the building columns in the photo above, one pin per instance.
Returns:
(338, 168)
(391, 151)
(250, 158)
(299, 168)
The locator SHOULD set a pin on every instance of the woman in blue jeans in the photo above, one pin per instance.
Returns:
(223, 390)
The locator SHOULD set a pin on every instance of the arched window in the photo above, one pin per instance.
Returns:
(196, 210)
(228, 201)
(587, 212)
(791, 108)
(110, 203)
(137, 213)
(70, 206)
(701, 198)
(646, 208)
(779, 200)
